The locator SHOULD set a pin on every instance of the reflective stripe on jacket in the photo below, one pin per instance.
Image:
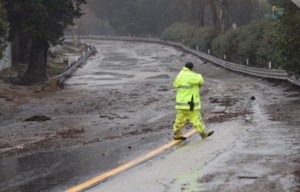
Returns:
(188, 83)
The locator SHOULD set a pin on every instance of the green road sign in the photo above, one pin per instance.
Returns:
(277, 11)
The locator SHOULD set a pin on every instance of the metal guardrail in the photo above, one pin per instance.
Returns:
(264, 73)
(70, 69)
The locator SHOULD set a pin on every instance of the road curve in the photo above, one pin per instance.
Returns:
(123, 100)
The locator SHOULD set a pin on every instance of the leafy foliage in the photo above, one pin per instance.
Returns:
(40, 22)
(287, 39)
(3, 30)
(251, 42)
(190, 35)
(41, 18)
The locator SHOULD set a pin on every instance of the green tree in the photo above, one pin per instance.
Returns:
(287, 39)
(41, 22)
(3, 30)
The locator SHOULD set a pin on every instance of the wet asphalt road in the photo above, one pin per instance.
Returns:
(118, 65)
(133, 84)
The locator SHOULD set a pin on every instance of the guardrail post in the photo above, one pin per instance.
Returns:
(197, 48)
(83, 53)
(88, 49)
(69, 62)
(270, 65)
(53, 85)
(76, 58)
(247, 61)
(209, 51)
(224, 57)
(182, 40)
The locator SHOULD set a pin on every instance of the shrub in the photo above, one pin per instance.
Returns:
(189, 34)
(251, 42)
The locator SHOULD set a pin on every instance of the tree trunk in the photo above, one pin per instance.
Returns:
(73, 29)
(216, 17)
(19, 50)
(201, 13)
(224, 15)
(36, 71)
(74, 34)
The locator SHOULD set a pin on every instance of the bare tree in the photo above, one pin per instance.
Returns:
(201, 13)
(224, 15)
(216, 17)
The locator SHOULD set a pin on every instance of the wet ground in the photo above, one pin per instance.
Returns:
(120, 106)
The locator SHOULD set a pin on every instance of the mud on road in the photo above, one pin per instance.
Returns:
(129, 94)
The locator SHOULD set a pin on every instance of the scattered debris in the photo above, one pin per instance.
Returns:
(253, 98)
(293, 95)
(224, 116)
(246, 177)
(4, 145)
(71, 133)
(224, 101)
(104, 116)
(8, 99)
(163, 90)
(39, 118)
(124, 117)
(121, 162)
(105, 154)
(20, 147)
(206, 178)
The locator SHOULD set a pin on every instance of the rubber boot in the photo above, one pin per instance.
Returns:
(207, 134)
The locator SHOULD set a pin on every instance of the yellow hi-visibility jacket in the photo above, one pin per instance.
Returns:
(188, 83)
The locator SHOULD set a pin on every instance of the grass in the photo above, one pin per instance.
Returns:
(57, 67)
(13, 71)
(7, 72)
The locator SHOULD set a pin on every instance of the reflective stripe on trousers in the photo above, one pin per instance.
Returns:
(193, 116)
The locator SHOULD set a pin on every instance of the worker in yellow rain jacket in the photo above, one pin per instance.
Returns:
(188, 102)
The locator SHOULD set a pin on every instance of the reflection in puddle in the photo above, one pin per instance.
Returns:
(187, 182)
